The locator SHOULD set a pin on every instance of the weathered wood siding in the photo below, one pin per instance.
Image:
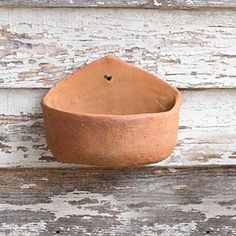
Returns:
(128, 202)
(189, 49)
(207, 132)
(41, 42)
(193, 50)
(23, 145)
(154, 4)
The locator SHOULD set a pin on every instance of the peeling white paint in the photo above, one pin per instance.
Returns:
(28, 229)
(207, 134)
(180, 229)
(25, 186)
(123, 187)
(196, 146)
(44, 179)
(189, 49)
(168, 4)
(195, 52)
(172, 170)
(61, 206)
(199, 109)
(189, 207)
(180, 186)
(211, 207)
(157, 3)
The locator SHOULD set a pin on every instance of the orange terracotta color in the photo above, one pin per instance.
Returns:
(111, 113)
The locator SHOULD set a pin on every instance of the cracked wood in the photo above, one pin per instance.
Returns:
(22, 144)
(189, 49)
(139, 201)
(207, 134)
(156, 4)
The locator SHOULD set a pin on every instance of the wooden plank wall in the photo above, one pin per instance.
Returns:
(195, 50)
(146, 4)
(92, 202)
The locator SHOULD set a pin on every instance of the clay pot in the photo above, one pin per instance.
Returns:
(111, 113)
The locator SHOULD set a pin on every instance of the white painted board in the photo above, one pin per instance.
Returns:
(189, 49)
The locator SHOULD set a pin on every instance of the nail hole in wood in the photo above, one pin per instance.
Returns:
(107, 77)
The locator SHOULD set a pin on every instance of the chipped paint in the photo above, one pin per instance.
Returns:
(203, 203)
(211, 207)
(207, 134)
(40, 46)
(197, 51)
(157, 4)
(213, 107)
(25, 186)
(60, 206)
(196, 146)
(44, 179)
(27, 229)
(179, 229)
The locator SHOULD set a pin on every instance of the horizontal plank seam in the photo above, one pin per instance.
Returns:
(31, 116)
(170, 169)
(180, 89)
(181, 8)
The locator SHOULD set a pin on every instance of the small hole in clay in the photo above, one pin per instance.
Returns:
(208, 231)
(107, 77)
(58, 231)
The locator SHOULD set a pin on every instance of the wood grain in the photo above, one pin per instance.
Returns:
(156, 4)
(200, 108)
(150, 201)
(207, 129)
(23, 145)
(189, 49)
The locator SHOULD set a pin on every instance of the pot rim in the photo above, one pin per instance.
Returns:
(178, 101)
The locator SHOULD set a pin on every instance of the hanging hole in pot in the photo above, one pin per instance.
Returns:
(107, 77)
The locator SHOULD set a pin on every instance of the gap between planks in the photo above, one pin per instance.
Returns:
(145, 4)
(132, 169)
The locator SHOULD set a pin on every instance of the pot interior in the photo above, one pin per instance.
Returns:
(112, 90)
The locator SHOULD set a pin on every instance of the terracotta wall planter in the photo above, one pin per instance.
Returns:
(111, 113)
